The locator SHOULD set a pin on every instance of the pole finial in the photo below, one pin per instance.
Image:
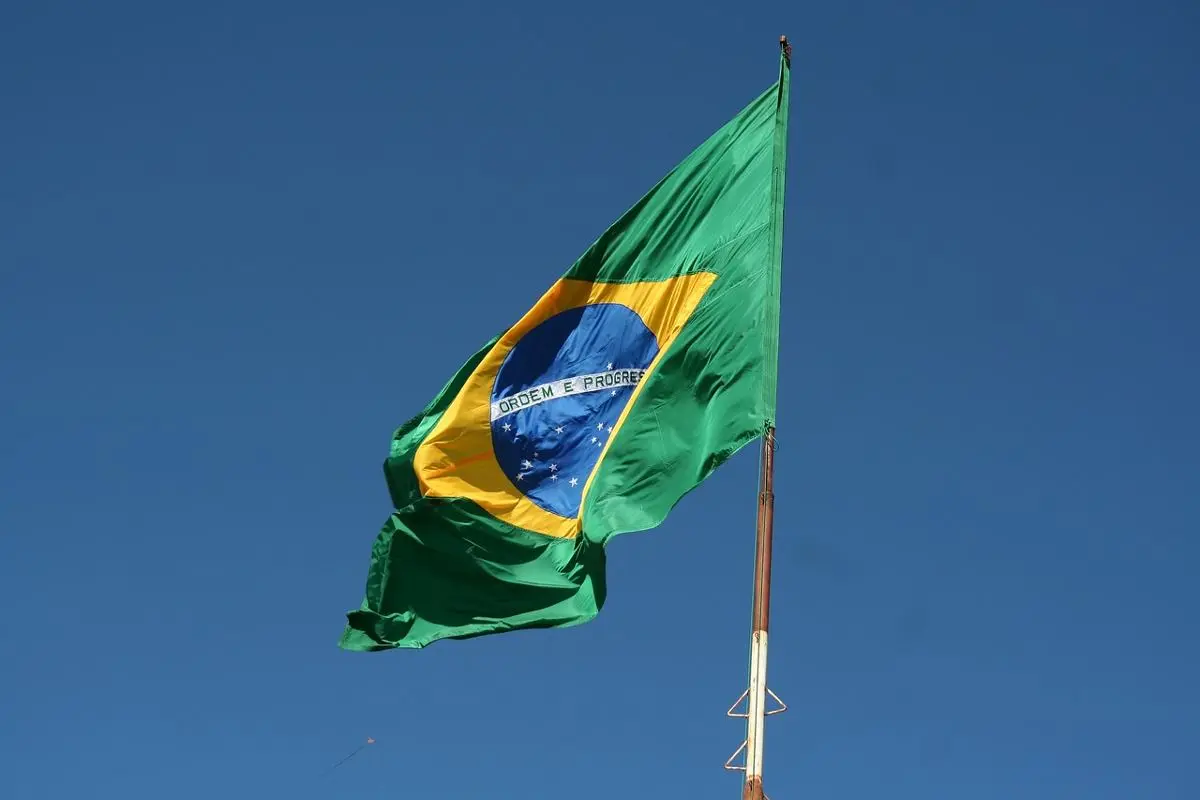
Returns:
(786, 47)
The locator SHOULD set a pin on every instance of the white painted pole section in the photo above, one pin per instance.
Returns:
(757, 708)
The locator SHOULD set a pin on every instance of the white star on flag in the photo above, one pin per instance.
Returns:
(573, 481)
(526, 464)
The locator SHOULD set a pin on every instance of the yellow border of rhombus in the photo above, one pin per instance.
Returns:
(456, 459)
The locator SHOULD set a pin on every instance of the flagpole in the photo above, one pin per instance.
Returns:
(757, 691)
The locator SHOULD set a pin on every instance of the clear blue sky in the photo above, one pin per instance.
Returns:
(241, 242)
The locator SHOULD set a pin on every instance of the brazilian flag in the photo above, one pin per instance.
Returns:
(637, 373)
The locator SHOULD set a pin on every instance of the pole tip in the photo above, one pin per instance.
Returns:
(786, 47)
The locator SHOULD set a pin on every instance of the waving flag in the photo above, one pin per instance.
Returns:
(648, 364)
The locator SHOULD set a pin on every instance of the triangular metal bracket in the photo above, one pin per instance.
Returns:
(782, 705)
(733, 712)
(729, 761)
(744, 697)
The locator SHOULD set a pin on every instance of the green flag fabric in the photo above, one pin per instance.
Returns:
(642, 369)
